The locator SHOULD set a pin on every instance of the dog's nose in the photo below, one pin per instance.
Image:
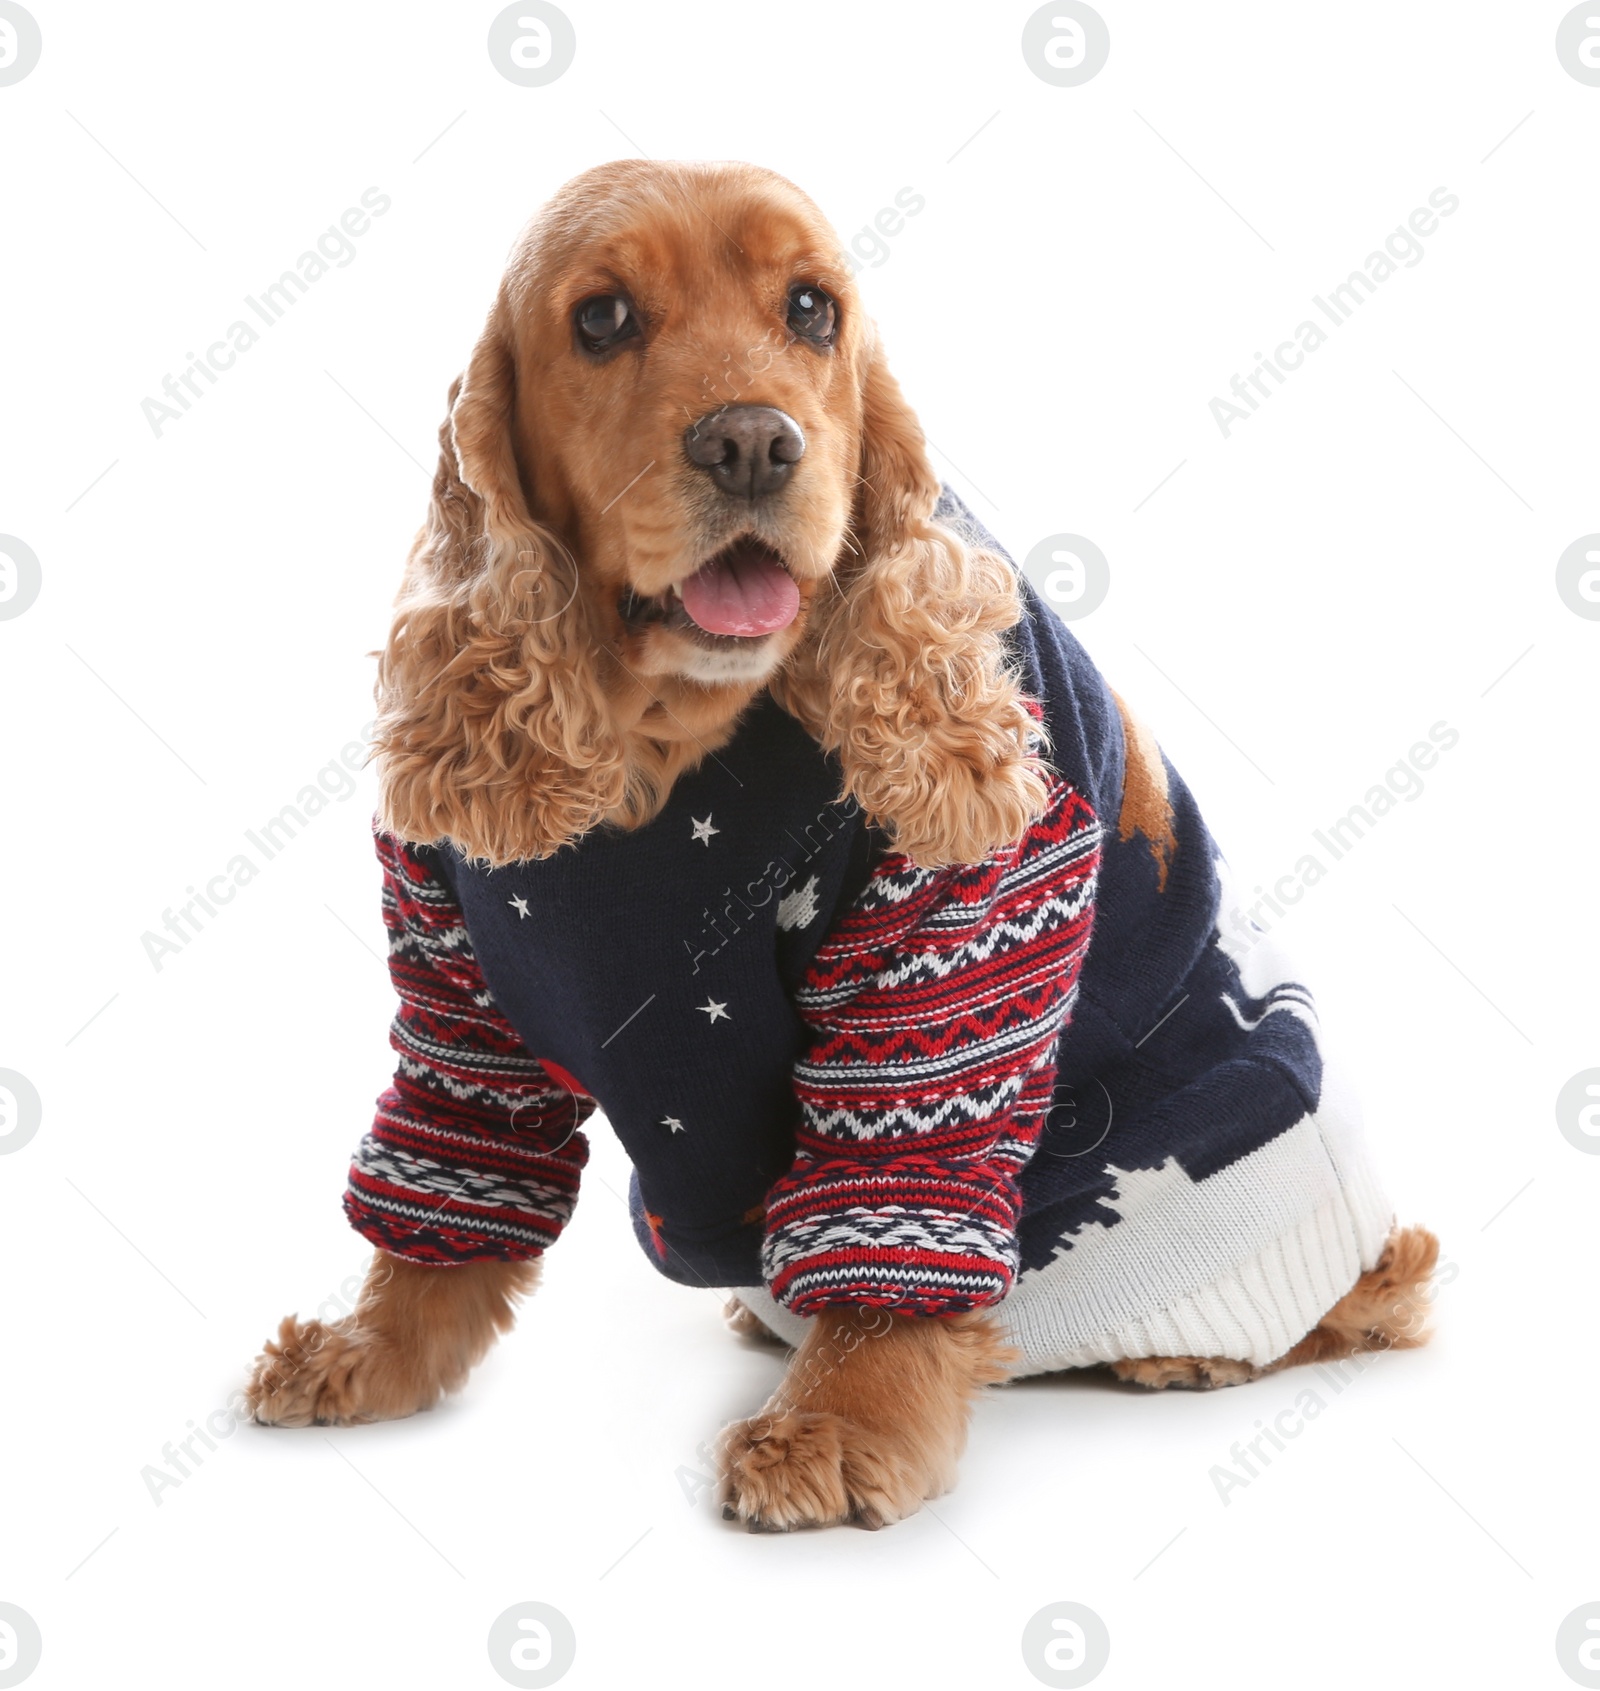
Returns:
(748, 450)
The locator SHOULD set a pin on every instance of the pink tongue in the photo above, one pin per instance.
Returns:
(742, 591)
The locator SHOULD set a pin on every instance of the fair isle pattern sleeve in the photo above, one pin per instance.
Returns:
(935, 1005)
(475, 1150)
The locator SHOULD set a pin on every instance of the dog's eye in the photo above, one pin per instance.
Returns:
(604, 321)
(811, 314)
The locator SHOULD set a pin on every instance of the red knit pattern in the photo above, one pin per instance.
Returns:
(475, 1150)
(937, 1003)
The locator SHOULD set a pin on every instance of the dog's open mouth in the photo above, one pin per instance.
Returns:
(743, 593)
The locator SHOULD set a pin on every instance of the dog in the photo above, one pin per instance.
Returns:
(734, 781)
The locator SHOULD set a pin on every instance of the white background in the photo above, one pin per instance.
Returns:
(1291, 610)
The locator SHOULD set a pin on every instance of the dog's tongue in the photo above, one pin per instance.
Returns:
(744, 590)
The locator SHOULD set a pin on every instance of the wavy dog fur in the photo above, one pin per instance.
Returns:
(494, 728)
(515, 711)
(903, 680)
(521, 706)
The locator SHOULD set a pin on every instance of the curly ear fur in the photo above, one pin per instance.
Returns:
(903, 671)
(493, 729)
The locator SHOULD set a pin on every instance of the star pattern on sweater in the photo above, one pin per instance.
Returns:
(702, 831)
(520, 905)
(672, 1124)
(717, 1012)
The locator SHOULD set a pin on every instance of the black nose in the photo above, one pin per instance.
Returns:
(748, 450)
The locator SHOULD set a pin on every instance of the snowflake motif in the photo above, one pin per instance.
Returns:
(799, 908)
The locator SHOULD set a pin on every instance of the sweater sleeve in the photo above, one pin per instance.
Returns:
(935, 1007)
(475, 1149)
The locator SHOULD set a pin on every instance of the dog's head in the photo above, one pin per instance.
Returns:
(677, 470)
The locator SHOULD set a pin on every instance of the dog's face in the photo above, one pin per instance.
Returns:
(691, 419)
(676, 471)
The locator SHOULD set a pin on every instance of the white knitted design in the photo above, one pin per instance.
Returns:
(1241, 1264)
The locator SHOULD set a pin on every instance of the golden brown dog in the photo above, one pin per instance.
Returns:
(541, 678)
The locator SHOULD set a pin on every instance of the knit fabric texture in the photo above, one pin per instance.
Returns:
(843, 1079)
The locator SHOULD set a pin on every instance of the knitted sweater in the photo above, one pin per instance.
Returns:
(837, 1075)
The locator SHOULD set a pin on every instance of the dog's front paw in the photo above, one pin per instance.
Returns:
(806, 1468)
(327, 1375)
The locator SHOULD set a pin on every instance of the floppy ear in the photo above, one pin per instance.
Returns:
(903, 671)
(492, 730)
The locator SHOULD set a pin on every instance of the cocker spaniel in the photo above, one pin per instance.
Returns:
(734, 782)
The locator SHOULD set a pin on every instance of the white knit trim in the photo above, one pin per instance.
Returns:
(1241, 1264)
(1254, 1311)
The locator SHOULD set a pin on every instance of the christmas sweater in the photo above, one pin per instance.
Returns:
(840, 1078)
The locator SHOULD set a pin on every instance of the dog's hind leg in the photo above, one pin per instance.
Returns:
(416, 1333)
(1386, 1309)
(744, 1323)
(1189, 1373)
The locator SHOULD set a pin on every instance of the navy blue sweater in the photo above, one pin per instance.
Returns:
(837, 1074)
